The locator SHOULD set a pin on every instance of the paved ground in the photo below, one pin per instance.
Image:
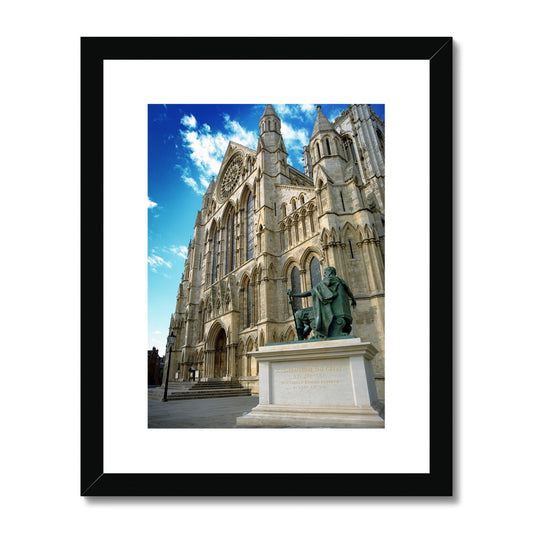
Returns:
(206, 413)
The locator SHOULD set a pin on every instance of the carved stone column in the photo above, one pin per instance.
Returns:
(319, 200)
(241, 238)
(209, 363)
(231, 351)
(369, 268)
(374, 255)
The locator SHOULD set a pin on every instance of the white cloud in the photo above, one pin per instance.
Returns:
(238, 134)
(335, 113)
(204, 181)
(193, 184)
(207, 149)
(157, 332)
(156, 261)
(308, 109)
(180, 251)
(151, 204)
(189, 121)
(294, 137)
(300, 111)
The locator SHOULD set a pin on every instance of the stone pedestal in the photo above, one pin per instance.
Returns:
(315, 384)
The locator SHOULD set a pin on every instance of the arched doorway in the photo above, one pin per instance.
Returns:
(220, 362)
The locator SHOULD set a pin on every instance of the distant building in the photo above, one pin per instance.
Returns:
(155, 367)
(265, 227)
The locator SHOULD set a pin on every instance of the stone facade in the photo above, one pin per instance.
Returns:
(265, 227)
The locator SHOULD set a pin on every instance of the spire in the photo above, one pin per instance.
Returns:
(321, 122)
(270, 131)
(269, 110)
(211, 187)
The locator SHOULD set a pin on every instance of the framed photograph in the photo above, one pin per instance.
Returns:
(174, 126)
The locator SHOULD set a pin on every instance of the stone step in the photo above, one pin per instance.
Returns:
(177, 386)
(201, 389)
(195, 395)
(216, 385)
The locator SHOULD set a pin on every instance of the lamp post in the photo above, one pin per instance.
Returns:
(170, 340)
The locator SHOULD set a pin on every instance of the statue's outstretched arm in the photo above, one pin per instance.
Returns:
(299, 294)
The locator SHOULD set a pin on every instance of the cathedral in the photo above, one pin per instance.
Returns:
(266, 227)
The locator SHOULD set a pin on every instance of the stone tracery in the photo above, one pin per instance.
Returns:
(254, 232)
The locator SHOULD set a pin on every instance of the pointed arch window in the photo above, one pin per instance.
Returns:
(215, 254)
(250, 227)
(328, 147)
(316, 275)
(350, 151)
(311, 219)
(248, 304)
(231, 242)
(296, 286)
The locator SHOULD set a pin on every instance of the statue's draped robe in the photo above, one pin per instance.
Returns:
(331, 298)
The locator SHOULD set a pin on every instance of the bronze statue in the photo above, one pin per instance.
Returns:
(330, 315)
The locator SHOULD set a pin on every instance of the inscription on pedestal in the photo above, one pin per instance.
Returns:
(312, 383)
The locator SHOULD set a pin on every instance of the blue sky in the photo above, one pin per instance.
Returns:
(186, 145)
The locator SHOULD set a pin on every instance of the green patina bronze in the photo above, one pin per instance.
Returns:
(330, 316)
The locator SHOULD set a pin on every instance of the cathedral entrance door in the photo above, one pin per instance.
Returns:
(220, 355)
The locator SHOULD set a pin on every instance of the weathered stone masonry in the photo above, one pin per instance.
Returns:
(265, 227)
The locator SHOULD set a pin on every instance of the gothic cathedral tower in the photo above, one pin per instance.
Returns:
(265, 227)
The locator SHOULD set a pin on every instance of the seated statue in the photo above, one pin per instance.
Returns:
(330, 315)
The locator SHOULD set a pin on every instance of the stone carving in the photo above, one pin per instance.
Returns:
(330, 315)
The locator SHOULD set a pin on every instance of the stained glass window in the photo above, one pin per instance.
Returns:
(231, 242)
(296, 286)
(215, 253)
(250, 228)
(316, 275)
(248, 304)
(234, 241)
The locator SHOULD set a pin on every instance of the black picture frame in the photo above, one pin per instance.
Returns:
(94, 481)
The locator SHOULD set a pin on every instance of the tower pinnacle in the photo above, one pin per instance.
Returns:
(321, 123)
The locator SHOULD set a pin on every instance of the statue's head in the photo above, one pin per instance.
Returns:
(330, 271)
